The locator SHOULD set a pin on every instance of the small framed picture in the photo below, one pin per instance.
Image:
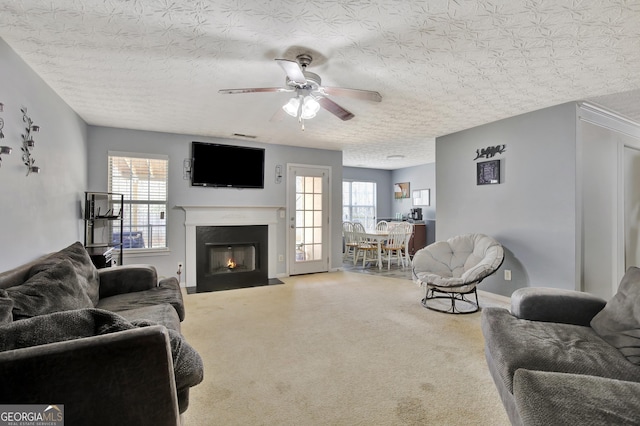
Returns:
(421, 197)
(401, 190)
(488, 172)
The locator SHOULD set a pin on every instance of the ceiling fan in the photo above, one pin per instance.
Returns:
(310, 95)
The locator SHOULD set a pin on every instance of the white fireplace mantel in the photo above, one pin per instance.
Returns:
(229, 216)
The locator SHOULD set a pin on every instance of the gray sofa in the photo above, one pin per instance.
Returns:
(563, 357)
(104, 343)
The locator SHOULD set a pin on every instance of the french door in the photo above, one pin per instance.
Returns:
(308, 209)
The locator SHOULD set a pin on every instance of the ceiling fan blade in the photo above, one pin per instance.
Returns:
(334, 108)
(278, 115)
(255, 90)
(293, 70)
(366, 95)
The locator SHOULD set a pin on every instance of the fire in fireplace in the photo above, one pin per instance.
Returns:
(229, 257)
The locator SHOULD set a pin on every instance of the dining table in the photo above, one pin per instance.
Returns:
(378, 237)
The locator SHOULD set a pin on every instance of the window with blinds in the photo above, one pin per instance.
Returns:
(359, 202)
(143, 179)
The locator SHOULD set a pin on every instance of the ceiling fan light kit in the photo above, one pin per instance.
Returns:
(310, 108)
(292, 106)
(310, 94)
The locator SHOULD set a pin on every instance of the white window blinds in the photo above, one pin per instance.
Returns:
(143, 181)
(359, 202)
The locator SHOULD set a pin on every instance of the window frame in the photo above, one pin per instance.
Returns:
(370, 221)
(149, 203)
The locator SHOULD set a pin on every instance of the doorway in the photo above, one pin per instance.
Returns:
(631, 207)
(308, 208)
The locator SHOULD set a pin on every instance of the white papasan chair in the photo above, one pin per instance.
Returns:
(453, 268)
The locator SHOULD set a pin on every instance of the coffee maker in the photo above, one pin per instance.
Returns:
(416, 214)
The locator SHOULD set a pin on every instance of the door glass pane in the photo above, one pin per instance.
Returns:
(308, 218)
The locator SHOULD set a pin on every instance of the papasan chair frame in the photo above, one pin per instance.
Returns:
(452, 270)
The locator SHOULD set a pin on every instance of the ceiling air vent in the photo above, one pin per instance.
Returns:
(241, 135)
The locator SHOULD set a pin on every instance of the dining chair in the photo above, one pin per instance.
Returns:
(395, 245)
(350, 243)
(382, 225)
(368, 249)
(408, 228)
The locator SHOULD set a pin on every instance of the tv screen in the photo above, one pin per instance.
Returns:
(232, 166)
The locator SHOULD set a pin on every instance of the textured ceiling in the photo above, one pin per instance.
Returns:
(441, 66)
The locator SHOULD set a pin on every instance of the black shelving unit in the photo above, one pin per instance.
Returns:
(103, 227)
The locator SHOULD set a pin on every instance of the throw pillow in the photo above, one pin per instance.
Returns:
(6, 307)
(619, 322)
(87, 274)
(51, 290)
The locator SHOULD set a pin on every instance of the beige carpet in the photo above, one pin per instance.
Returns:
(336, 349)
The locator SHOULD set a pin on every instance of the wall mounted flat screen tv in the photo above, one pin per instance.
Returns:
(218, 165)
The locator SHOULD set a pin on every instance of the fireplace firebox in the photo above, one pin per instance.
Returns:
(231, 257)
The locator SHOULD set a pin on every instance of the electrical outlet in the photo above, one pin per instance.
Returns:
(281, 258)
(507, 274)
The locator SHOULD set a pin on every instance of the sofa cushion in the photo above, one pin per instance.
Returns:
(51, 290)
(86, 272)
(547, 398)
(6, 308)
(535, 345)
(167, 292)
(619, 322)
(158, 314)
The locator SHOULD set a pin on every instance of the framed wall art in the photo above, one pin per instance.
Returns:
(421, 197)
(401, 190)
(488, 172)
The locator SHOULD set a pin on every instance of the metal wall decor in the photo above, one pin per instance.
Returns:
(28, 143)
(6, 150)
(1, 120)
(490, 151)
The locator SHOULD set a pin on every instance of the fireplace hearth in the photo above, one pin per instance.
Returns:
(231, 257)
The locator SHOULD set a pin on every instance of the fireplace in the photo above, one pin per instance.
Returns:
(230, 257)
(198, 215)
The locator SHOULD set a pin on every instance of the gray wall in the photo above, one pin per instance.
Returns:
(384, 186)
(532, 212)
(40, 213)
(178, 147)
(419, 177)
